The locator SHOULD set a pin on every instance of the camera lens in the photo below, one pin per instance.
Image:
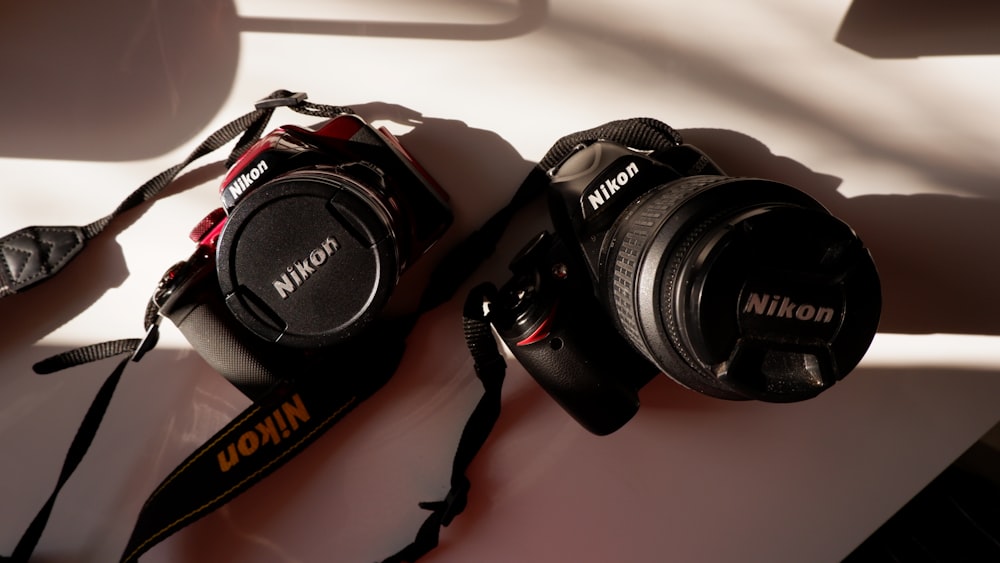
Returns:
(741, 288)
(308, 259)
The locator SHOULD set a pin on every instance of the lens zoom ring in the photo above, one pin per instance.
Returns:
(635, 233)
(677, 261)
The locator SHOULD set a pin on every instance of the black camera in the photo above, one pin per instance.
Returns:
(738, 288)
(315, 229)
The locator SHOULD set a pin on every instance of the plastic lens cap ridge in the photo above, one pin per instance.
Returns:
(767, 302)
(307, 260)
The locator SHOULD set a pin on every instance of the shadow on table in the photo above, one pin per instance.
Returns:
(115, 81)
(916, 28)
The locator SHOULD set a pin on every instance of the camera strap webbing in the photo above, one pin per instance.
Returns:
(33, 254)
(293, 413)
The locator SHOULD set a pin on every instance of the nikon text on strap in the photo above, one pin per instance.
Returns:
(295, 412)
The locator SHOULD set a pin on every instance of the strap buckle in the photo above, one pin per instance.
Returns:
(148, 342)
(453, 503)
(276, 100)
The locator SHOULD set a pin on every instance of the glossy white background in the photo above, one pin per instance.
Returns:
(885, 111)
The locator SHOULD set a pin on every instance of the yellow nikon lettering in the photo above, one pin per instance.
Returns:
(228, 458)
(276, 427)
(295, 412)
(248, 443)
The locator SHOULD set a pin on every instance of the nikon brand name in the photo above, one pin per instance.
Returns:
(300, 271)
(784, 308)
(604, 191)
(278, 426)
(245, 180)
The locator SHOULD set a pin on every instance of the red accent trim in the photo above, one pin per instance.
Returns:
(338, 128)
(207, 234)
(211, 223)
(212, 236)
(542, 331)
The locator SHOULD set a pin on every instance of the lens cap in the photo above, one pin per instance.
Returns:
(777, 301)
(307, 260)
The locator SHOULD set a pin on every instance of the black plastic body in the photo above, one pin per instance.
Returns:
(738, 288)
(346, 176)
(551, 321)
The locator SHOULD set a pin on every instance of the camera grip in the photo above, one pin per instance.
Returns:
(201, 317)
(214, 340)
(591, 373)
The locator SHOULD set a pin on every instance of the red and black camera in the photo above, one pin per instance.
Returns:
(315, 229)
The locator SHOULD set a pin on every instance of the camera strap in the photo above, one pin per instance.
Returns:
(33, 254)
(294, 413)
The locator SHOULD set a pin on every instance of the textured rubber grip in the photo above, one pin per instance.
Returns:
(215, 341)
(586, 367)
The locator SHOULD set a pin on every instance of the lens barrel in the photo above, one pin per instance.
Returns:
(741, 288)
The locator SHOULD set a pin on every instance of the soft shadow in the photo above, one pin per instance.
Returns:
(661, 54)
(933, 251)
(113, 81)
(529, 15)
(110, 80)
(161, 407)
(38, 310)
(915, 28)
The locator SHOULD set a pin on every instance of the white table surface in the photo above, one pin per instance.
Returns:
(887, 114)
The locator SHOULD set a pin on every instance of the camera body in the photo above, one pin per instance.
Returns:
(738, 288)
(315, 229)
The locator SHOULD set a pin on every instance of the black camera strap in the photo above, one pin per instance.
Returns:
(263, 437)
(34, 254)
(294, 413)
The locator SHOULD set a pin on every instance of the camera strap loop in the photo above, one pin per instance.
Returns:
(643, 133)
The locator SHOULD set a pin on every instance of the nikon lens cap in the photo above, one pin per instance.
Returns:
(743, 288)
(307, 260)
(776, 302)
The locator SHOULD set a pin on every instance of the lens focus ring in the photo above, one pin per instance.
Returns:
(740, 288)
(634, 233)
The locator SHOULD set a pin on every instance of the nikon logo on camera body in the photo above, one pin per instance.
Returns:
(604, 191)
(279, 425)
(299, 271)
(245, 180)
(784, 308)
